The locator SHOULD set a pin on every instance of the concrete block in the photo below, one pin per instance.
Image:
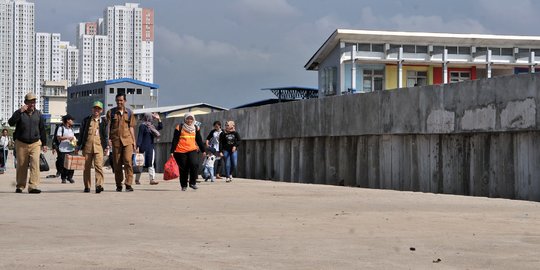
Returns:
(441, 121)
(480, 119)
(519, 115)
(502, 166)
(452, 164)
(479, 168)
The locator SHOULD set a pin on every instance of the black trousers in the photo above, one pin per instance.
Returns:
(187, 162)
(64, 173)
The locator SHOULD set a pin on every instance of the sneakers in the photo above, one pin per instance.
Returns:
(34, 191)
(184, 188)
(99, 189)
(129, 188)
(64, 181)
(229, 179)
(193, 186)
(18, 190)
(153, 182)
(119, 188)
(71, 181)
(86, 190)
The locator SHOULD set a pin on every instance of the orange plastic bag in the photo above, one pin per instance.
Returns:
(171, 170)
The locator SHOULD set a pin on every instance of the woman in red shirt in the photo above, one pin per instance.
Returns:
(186, 145)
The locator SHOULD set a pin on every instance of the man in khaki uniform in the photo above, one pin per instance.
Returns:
(121, 124)
(30, 138)
(93, 143)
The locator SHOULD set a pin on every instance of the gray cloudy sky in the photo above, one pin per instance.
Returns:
(224, 52)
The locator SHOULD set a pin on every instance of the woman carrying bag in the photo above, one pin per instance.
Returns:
(186, 145)
(148, 133)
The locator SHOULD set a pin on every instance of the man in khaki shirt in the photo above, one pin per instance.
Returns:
(93, 143)
(121, 124)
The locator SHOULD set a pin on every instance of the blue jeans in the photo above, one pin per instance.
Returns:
(208, 173)
(230, 162)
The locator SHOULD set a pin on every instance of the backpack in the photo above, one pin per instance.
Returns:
(113, 112)
(55, 142)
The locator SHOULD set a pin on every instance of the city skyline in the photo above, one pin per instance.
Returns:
(224, 53)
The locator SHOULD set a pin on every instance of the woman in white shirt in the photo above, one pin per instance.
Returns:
(4, 149)
(67, 140)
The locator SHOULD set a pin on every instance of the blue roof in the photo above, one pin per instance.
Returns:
(121, 80)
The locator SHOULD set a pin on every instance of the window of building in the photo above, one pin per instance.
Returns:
(421, 49)
(131, 91)
(363, 47)
(329, 80)
(507, 51)
(459, 76)
(121, 90)
(452, 49)
(409, 49)
(373, 80)
(416, 78)
(139, 91)
(464, 50)
(111, 90)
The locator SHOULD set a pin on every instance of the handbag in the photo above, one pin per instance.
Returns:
(138, 162)
(171, 170)
(137, 159)
(43, 165)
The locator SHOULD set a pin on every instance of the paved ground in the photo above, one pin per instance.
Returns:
(250, 224)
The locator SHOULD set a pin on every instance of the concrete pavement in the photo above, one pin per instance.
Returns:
(249, 224)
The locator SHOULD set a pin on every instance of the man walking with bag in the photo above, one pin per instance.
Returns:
(121, 124)
(30, 138)
(93, 143)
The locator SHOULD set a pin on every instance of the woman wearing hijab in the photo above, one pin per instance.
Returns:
(187, 143)
(146, 137)
(228, 144)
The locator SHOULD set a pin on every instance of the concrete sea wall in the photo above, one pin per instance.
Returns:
(478, 138)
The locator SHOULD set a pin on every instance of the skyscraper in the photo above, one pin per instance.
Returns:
(71, 59)
(93, 54)
(17, 44)
(130, 32)
(56, 61)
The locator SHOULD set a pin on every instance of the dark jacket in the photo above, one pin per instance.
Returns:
(28, 128)
(145, 143)
(198, 139)
(85, 126)
(228, 140)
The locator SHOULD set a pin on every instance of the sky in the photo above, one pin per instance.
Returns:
(224, 52)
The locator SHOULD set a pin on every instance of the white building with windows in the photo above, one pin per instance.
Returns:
(17, 44)
(93, 58)
(56, 61)
(130, 31)
(364, 61)
(70, 55)
(120, 45)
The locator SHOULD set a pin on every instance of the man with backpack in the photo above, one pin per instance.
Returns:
(121, 134)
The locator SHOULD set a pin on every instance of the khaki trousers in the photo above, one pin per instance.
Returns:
(28, 157)
(122, 155)
(97, 159)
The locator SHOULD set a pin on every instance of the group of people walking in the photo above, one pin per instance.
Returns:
(115, 134)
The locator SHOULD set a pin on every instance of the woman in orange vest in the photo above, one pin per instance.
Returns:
(186, 145)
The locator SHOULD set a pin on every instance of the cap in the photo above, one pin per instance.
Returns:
(30, 96)
(98, 104)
